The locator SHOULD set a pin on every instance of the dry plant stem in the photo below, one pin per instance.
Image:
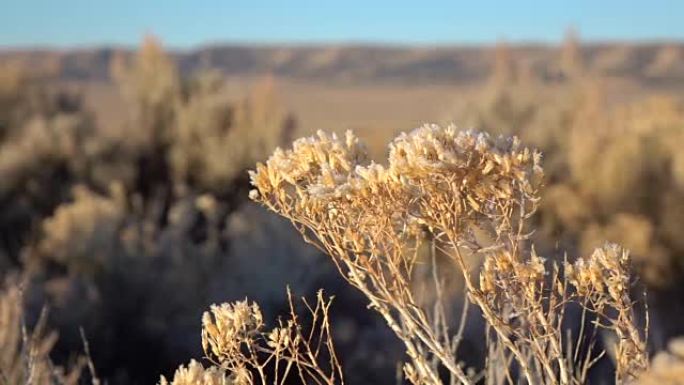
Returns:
(94, 379)
(411, 326)
(550, 330)
(604, 280)
(493, 320)
(382, 301)
(420, 329)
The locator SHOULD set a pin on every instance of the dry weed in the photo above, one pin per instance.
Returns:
(243, 352)
(447, 187)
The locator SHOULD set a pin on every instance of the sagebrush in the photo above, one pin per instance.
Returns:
(466, 196)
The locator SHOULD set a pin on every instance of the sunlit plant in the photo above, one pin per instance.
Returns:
(446, 188)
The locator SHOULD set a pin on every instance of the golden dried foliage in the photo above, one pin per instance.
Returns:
(243, 351)
(196, 374)
(442, 187)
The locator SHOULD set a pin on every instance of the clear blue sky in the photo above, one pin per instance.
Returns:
(186, 24)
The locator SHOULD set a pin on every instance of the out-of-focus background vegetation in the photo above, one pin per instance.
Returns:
(123, 185)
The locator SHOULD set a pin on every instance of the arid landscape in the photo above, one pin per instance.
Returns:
(372, 89)
(125, 213)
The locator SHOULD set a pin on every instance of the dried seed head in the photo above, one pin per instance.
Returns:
(196, 374)
(279, 338)
(606, 274)
(226, 327)
(318, 163)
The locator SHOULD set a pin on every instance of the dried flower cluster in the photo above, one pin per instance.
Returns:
(328, 168)
(196, 374)
(243, 352)
(227, 326)
(603, 277)
(461, 193)
(603, 282)
(621, 183)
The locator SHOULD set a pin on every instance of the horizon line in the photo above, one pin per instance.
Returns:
(523, 43)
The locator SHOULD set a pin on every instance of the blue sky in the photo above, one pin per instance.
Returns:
(186, 24)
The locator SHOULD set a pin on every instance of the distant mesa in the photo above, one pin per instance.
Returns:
(379, 64)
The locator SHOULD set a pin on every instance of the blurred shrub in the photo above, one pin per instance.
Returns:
(109, 223)
(24, 357)
(81, 233)
(151, 85)
(667, 367)
(613, 169)
(214, 142)
(190, 132)
(44, 137)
